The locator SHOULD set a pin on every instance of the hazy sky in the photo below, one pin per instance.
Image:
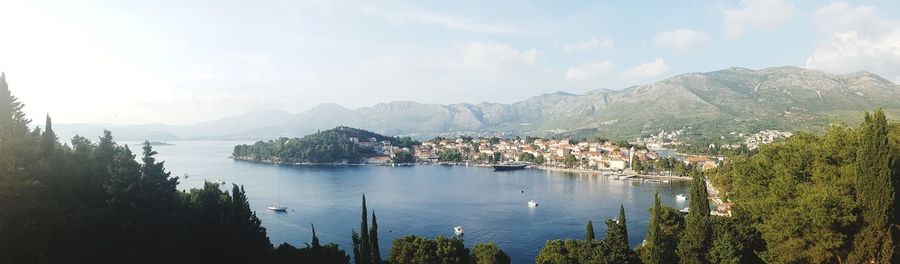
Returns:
(180, 62)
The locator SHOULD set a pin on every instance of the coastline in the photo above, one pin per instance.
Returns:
(297, 163)
(481, 165)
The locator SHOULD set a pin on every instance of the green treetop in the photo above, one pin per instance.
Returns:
(589, 232)
(653, 244)
(694, 241)
(874, 192)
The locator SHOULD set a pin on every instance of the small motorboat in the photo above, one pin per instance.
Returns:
(532, 204)
(458, 230)
(680, 197)
(277, 208)
(220, 182)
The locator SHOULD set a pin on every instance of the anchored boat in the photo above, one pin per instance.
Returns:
(508, 167)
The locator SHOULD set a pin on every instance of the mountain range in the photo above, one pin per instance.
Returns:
(733, 99)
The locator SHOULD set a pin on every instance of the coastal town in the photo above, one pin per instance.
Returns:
(650, 159)
(560, 154)
(599, 155)
(602, 157)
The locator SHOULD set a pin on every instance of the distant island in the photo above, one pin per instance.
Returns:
(157, 143)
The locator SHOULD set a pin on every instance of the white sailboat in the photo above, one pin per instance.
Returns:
(277, 207)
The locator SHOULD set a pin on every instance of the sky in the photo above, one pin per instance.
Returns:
(181, 62)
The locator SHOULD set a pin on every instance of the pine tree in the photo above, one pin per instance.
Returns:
(725, 250)
(874, 193)
(653, 244)
(364, 251)
(14, 134)
(589, 233)
(12, 120)
(693, 244)
(373, 238)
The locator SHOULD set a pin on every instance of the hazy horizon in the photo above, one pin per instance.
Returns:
(182, 63)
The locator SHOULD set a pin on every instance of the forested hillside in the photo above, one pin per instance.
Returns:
(329, 146)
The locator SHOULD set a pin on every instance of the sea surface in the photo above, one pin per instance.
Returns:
(425, 200)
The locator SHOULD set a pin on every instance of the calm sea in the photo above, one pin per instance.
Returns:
(422, 200)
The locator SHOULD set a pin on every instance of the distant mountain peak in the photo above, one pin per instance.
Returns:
(328, 107)
(736, 98)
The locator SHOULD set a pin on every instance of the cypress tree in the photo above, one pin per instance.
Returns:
(615, 247)
(589, 233)
(653, 244)
(373, 238)
(694, 241)
(315, 239)
(623, 227)
(874, 193)
(364, 252)
(615, 243)
(355, 238)
(48, 138)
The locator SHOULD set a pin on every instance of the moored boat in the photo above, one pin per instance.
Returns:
(277, 208)
(458, 230)
(508, 167)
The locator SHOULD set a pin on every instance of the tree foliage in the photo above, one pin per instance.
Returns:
(489, 253)
(874, 192)
(94, 203)
(589, 231)
(652, 248)
(420, 250)
(694, 242)
(334, 145)
(819, 199)
(315, 253)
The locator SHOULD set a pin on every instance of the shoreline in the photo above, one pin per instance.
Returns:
(480, 165)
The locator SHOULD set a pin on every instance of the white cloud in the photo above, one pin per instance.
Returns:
(680, 39)
(856, 39)
(841, 17)
(850, 52)
(593, 43)
(646, 71)
(757, 14)
(589, 71)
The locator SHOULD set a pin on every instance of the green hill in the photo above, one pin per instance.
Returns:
(341, 144)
